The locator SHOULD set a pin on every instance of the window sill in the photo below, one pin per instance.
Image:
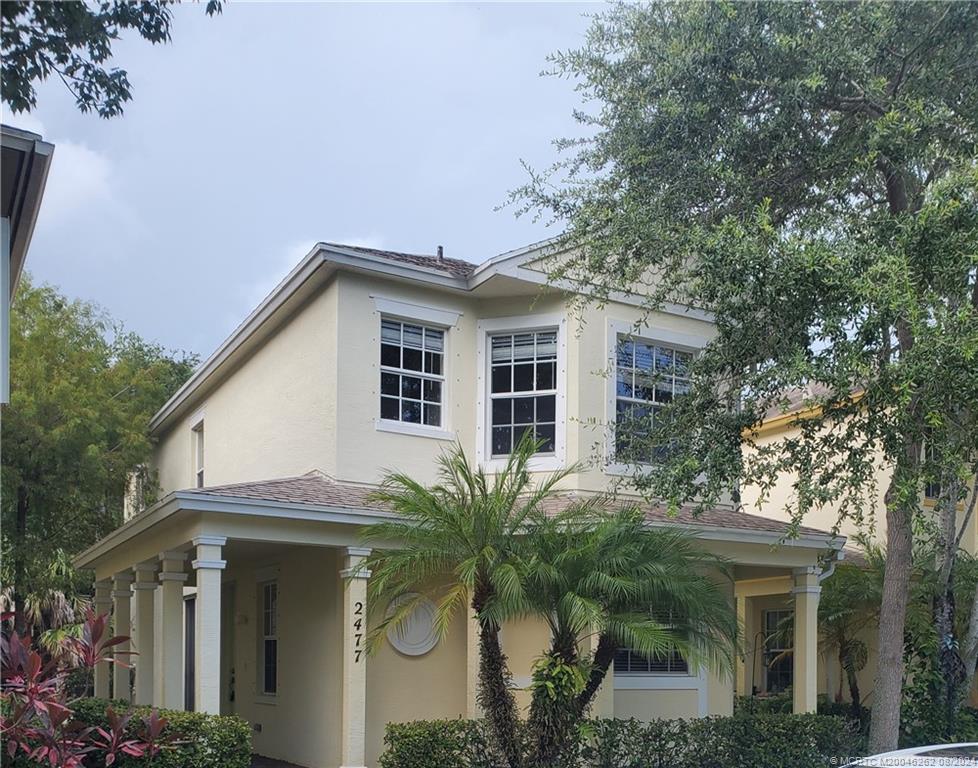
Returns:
(535, 464)
(656, 681)
(266, 699)
(417, 430)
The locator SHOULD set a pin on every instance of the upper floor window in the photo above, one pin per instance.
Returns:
(523, 389)
(412, 380)
(647, 377)
(199, 455)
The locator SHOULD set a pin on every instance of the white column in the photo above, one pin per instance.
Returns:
(103, 607)
(168, 620)
(122, 625)
(806, 591)
(354, 710)
(144, 597)
(207, 630)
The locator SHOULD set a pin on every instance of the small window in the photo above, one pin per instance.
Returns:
(778, 650)
(269, 638)
(199, 455)
(412, 378)
(648, 376)
(523, 390)
(932, 488)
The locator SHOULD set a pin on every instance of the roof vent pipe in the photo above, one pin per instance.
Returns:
(441, 253)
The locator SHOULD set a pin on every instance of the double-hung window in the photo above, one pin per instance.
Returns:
(412, 374)
(269, 638)
(778, 650)
(523, 389)
(648, 376)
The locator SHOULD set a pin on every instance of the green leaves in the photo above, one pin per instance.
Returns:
(73, 40)
(82, 394)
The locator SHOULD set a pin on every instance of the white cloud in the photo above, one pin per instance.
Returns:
(80, 178)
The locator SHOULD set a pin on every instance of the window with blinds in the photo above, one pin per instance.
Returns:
(647, 377)
(412, 376)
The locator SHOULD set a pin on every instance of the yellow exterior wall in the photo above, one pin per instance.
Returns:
(403, 688)
(300, 723)
(269, 418)
(308, 398)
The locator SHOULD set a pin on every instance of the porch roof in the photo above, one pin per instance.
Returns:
(317, 497)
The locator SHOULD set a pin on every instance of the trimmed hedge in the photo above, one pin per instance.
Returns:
(203, 741)
(741, 741)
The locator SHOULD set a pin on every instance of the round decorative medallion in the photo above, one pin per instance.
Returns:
(416, 635)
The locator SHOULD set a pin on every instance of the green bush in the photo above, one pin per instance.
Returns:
(772, 740)
(203, 741)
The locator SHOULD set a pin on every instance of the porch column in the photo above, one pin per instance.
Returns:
(121, 601)
(745, 640)
(103, 606)
(168, 623)
(144, 595)
(354, 712)
(207, 619)
(806, 592)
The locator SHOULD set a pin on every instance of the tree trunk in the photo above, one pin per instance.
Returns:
(884, 729)
(952, 667)
(552, 718)
(848, 665)
(494, 695)
(604, 654)
(20, 562)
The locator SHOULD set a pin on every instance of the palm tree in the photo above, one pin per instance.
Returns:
(456, 542)
(595, 572)
(850, 602)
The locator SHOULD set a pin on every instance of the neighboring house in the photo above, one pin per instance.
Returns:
(241, 584)
(24, 165)
(761, 613)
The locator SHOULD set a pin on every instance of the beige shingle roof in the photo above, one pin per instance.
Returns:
(318, 489)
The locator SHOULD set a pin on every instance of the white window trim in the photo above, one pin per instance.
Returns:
(268, 696)
(684, 341)
(520, 324)
(439, 319)
(418, 313)
(196, 424)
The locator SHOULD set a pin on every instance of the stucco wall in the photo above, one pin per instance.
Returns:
(271, 417)
(308, 397)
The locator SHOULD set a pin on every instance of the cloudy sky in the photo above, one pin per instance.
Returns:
(261, 131)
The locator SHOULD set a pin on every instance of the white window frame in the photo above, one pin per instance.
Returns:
(263, 638)
(437, 319)
(765, 649)
(684, 342)
(197, 450)
(520, 324)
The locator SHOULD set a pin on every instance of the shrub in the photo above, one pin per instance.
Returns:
(200, 740)
(742, 741)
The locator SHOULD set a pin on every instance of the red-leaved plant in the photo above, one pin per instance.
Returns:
(37, 718)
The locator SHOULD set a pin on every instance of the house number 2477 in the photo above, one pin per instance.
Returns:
(357, 631)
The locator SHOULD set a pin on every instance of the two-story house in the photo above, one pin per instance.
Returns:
(241, 584)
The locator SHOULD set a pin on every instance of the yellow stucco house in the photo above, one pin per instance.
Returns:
(757, 614)
(240, 585)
